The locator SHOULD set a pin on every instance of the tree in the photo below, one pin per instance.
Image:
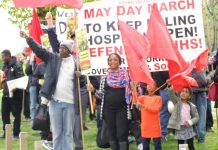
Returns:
(21, 17)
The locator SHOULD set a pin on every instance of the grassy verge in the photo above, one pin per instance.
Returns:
(171, 144)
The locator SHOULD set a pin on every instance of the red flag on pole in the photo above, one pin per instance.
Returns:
(43, 3)
(161, 43)
(35, 31)
(135, 47)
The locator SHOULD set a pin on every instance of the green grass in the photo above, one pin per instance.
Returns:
(171, 144)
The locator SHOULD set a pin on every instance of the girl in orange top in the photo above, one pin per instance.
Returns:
(150, 106)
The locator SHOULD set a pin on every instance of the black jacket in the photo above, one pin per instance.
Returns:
(13, 70)
(35, 72)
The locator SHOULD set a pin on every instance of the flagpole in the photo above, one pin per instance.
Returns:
(159, 87)
(80, 108)
(90, 96)
(79, 93)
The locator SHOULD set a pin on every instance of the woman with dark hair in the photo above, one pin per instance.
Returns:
(115, 94)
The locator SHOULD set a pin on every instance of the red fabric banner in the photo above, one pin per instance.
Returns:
(135, 46)
(161, 43)
(43, 3)
(35, 31)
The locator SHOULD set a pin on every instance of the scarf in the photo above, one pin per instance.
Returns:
(120, 79)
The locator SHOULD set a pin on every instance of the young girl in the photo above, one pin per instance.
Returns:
(183, 117)
(150, 106)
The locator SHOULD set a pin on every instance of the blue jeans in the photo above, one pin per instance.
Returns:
(164, 114)
(33, 101)
(62, 116)
(200, 99)
(146, 143)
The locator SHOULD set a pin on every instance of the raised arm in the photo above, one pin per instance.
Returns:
(52, 36)
(36, 48)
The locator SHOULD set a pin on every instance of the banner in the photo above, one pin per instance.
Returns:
(182, 18)
(43, 3)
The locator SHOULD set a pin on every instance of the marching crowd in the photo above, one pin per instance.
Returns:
(123, 106)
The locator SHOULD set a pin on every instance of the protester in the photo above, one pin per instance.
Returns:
(59, 69)
(115, 91)
(34, 72)
(199, 98)
(184, 117)
(150, 106)
(161, 77)
(11, 103)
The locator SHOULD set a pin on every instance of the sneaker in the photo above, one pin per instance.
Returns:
(47, 144)
(131, 139)
(164, 139)
(209, 129)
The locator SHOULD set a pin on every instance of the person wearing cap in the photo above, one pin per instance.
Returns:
(59, 89)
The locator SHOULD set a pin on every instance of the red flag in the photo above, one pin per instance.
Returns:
(202, 61)
(35, 31)
(43, 3)
(135, 46)
(161, 43)
(182, 81)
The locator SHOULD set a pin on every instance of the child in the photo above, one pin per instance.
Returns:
(183, 117)
(150, 106)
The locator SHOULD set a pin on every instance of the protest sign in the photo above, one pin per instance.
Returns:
(66, 23)
(20, 83)
(182, 18)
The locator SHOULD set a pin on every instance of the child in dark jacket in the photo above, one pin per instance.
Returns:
(183, 117)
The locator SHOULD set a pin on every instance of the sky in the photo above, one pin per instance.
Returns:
(9, 35)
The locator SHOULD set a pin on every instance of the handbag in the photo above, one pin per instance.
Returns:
(212, 91)
(102, 137)
(41, 120)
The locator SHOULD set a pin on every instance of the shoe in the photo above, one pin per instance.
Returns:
(16, 137)
(47, 144)
(92, 117)
(209, 129)
(85, 128)
(131, 139)
(3, 136)
(201, 141)
(27, 119)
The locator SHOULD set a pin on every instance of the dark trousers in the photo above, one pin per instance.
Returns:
(146, 143)
(189, 142)
(13, 105)
(209, 118)
(117, 123)
(26, 109)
